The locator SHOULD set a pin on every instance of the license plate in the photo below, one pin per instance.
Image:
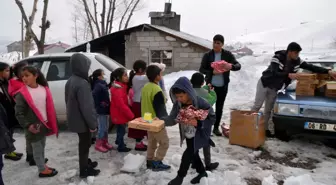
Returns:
(320, 126)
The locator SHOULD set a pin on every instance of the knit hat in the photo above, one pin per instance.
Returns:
(219, 37)
(162, 66)
(293, 46)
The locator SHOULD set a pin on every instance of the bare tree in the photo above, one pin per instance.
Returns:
(30, 34)
(100, 18)
(131, 13)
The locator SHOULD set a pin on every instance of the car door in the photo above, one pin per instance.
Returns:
(57, 75)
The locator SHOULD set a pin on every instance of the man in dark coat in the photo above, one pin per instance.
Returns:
(281, 71)
(218, 80)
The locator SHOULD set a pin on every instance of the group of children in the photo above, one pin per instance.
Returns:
(90, 108)
(27, 100)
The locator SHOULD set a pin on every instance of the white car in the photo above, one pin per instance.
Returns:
(56, 68)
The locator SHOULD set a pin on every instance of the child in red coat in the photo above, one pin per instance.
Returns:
(120, 111)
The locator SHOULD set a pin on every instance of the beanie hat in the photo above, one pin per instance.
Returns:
(219, 38)
(293, 46)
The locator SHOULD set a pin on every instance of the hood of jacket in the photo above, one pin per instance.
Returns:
(184, 84)
(14, 86)
(80, 65)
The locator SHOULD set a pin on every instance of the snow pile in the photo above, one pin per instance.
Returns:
(269, 181)
(11, 57)
(301, 180)
(14, 56)
(132, 163)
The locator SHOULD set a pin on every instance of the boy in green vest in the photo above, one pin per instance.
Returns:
(153, 101)
(197, 81)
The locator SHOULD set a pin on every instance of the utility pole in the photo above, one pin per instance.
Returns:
(22, 45)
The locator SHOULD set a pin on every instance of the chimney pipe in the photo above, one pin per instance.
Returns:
(167, 8)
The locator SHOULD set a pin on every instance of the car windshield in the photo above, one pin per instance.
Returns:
(325, 64)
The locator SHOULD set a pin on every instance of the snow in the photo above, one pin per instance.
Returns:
(14, 56)
(301, 180)
(269, 181)
(238, 165)
(132, 163)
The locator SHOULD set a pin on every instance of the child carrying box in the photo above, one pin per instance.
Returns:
(153, 101)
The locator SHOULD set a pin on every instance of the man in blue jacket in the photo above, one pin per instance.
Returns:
(196, 132)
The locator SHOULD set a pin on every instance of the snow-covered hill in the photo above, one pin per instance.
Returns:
(318, 33)
(317, 39)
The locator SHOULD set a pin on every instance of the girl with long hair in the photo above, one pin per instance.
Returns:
(119, 110)
(36, 113)
(137, 81)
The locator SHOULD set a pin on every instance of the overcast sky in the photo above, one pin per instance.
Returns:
(231, 18)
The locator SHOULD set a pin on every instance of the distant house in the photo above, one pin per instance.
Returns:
(160, 41)
(17, 46)
(243, 51)
(58, 47)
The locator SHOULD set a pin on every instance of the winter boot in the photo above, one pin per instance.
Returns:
(12, 156)
(48, 173)
(93, 140)
(92, 164)
(217, 132)
(212, 166)
(106, 144)
(198, 178)
(177, 181)
(33, 163)
(141, 147)
(99, 146)
(19, 154)
(29, 157)
(159, 166)
(123, 149)
(84, 173)
(149, 164)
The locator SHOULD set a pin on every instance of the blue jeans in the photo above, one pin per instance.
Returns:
(1, 166)
(121, 130)
(103, 125)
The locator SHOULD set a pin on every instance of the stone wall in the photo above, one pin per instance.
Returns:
(186, 56)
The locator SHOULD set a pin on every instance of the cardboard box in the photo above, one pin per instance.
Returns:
(140, 124)
(323, 77)
(309, 82)
(305, 89)
(330, 90)
(247, 129)
(306, 76)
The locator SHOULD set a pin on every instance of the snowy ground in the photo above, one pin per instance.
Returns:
(308, 162)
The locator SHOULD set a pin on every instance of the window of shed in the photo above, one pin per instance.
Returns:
(162, 56)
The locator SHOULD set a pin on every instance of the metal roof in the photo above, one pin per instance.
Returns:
(182, 35)
(185, 36)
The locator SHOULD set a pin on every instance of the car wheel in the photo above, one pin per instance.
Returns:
(282, 135)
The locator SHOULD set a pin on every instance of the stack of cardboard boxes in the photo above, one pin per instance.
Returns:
(306, 84)
(315, 84)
